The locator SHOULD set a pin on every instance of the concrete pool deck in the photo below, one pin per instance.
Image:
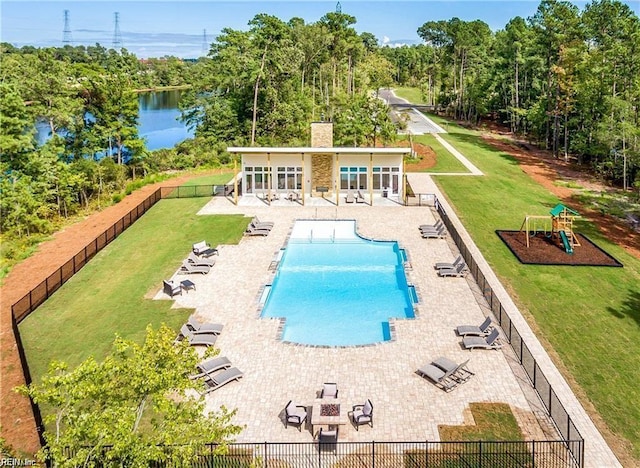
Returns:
(406, 407)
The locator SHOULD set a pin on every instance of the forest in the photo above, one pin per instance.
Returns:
(565, 79)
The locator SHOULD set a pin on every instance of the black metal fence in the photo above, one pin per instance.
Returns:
(548, 454)
(53, 282)
(548, 396)
(420, 199)
(39, 294)
(568, 452)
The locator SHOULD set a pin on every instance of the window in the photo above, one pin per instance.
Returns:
(289, 178)
(257, 178)
(353, 178)
(386, 178)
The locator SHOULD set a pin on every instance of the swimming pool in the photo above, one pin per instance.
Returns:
(335, 288)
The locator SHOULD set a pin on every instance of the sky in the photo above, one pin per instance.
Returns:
(155, 28)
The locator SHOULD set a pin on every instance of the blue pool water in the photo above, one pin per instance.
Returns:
(337, 289)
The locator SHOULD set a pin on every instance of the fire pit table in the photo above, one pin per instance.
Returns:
(328, 412)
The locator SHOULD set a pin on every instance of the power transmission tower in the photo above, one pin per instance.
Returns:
(117, 37)
(338, 8)
(66, 33)
(205, 43)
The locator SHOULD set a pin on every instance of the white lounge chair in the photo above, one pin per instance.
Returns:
(197, 261)
(190, 268)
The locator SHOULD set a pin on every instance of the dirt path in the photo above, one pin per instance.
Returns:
(16, 417)
(546, 170)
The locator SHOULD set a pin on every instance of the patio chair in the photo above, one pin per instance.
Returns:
(438, 376)
(349, 198)
(482, 330)
(189, 268)
(482, 342)
(198, 328)
(213, 382)
(202, 249)
(435, 228)
(459, 372)
(362, 414)
(263, 227)
(295, 414)
(262, 224)
(202, 339)
(359, 197)
(458, 271)
(440, 233)
(253, 231)
(328, 440)
(211, 365)
(436, 225)
(329, 390)
(171, 288)
(197, 261)
(445, 265)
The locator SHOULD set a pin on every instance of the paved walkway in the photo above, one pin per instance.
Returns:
(459, 156)
(420, 124)
(407, 407)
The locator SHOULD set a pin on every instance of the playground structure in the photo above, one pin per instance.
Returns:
(558, 226)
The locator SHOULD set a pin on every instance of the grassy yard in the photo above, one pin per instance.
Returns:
(215, 179)
(493, 421)
(446, 162)
(111, 294)
(413, 95)
(590, 315)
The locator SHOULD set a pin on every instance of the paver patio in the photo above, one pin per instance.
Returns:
(406, 407)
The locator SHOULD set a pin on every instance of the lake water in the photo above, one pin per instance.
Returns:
(158, 120)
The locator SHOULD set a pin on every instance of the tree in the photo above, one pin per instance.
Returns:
(361, 119)
(464, 46)
(267, 30)
(134, 408)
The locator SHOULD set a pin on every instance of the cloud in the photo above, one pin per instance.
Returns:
(385, 39)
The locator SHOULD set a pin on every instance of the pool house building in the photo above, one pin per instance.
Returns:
(342, 174)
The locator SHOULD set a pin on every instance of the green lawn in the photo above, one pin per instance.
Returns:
(411, 94)
(215, 179)
(493, 421)
(446, 162)
(111, 294)
(590, 315)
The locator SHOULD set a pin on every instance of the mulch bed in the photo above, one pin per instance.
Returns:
(543, 250)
